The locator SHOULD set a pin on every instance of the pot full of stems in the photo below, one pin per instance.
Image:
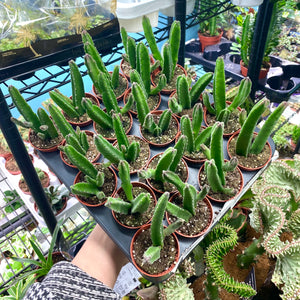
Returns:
(170, 159)
(189, 205)
(82, 141)
(154, 249)
(224, 177)
(43, 134)
(131, 148)
(221, 110)
(133, 204)
(168, 57)
(95, 66)
(253, 149)
(94, 182)
(102, 119)
(182, 101)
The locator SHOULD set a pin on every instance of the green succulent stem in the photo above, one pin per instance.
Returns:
(51, 131)
(219, 90)
(141, 102)
(124, 174)
(180, 147)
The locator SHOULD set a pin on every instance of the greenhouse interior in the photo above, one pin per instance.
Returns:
(150, 149)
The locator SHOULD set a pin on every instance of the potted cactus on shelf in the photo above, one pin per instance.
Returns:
(221, 110)
(72, 107)
(43, 134)
(253, 150)
(133, 204)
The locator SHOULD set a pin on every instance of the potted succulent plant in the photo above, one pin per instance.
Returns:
(223, 111)
(4, 149)
(133, 204)
(169, 57)
(224, 178)
(253, 151)
(72, 107)
(43, 135)
(11, 165)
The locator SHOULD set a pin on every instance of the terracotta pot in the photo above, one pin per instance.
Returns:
(148, 156)
(208, 204)
(209, 40)
(17, 171)
(51, 149)
(147, 189)
(163, 275)
(245, 168)
(226, 135)
(89, 121)
(133, 112)
(201, 170)
(58, 212)
(149, 180)
(262, 74)
(113, 139)
(62, 155)
(82, 201)
(119, 98)
(5, 153)
(158, 113)
(165, 91)
(44, 185)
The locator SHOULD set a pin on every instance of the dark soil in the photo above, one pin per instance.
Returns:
(253, 160)
(232, 180)
(44, 144)
(24, 187)
(107, 188)
(126, 68)
(198, 223)
(110, 133)
(166, 137)
(181, 171)
(137, 219)
(167, 255)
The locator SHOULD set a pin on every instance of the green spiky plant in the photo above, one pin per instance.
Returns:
(169, 57)
(40, 123)
(245, 143)
(276, 211)
(220, 108)
(19, 289)
(186, 98)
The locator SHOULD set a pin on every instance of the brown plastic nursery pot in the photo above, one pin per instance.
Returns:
(63, 157)
(241, 185)
(89, 121)
(171, 139)
(152, 106)
(251, 156)
(210, 209)
(206, 40)
(45, 183)
(14, 169)
(142, 186)
(162, 275)
(114, 183)
(119, 97)
(262, 73)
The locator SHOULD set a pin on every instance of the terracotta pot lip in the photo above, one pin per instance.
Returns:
(48, 183)
(144, 186)
(206, 200)
(102, 203)
(219, 200)
(247, 168)
(19, 171)
(159, 112)
(145, 227)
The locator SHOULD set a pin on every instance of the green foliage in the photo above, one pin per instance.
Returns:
(55, 195)
(13, 200)
(18, 291)
(157, 128)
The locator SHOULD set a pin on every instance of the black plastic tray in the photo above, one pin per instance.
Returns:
(123, 236)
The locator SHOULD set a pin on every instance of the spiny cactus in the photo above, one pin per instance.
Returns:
(220, 109)
(186, 97)
(40, 122)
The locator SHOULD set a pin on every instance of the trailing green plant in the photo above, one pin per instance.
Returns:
(169, 54)
(39, 123)
(245, 143)
(189, 194)
(220, 108)
(168, 161)
(186, 97)
(131, 205)
(13, 200)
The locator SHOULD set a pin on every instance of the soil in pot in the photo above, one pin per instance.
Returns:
(167, 137)
(12, 166)
(169, 252)
(137, 219)
(44, 145)
(24, 187)
(108, 187)
(199, 223)
(252, 162)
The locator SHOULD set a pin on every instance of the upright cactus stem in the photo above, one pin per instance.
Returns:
(163, 123)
